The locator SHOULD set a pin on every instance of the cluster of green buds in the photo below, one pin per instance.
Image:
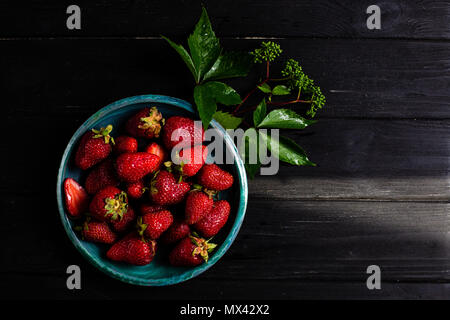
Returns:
(317, 101)
(268, 51)
(297, 79)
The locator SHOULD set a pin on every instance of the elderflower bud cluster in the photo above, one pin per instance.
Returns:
(317, 101)
(269, 51)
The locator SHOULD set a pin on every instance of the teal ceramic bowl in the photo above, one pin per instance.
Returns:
(158, 272)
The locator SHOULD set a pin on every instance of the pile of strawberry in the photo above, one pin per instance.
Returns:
(135, 200)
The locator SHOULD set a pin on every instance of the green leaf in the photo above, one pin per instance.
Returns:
(207, 95)
(204, 46)
(230, 65)
(260, 113)
(206, 105)
(284, 119)
(286, 150)
(250, 139)
(281, 90)
(227, 120)
(184, 55)
(223, 93)
(265, 88)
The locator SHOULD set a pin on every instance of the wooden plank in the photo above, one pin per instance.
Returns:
(401, 160)
(366, 160)
(361, 78)
(427, 19)
(97, 286)
(297, 248)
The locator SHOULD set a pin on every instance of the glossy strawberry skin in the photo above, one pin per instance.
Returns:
(192, 159)
(190, 134)
(101, 176)
(98, 232)
(136, 189)
(182, 255)
(165, 190)
(177, 231)
(132, 167)
(212, 177)
(125, 144)
(214, 220)
(157, 223)
(198, 204)
(76, 198)
(133, 249)
(126, 223)
(150, 208)
(99, 201)
(157, 150)
(139, 128)
(91, 151)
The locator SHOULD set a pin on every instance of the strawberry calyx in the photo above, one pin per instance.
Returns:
(141, 227)
(203, 246)
(209, 192)
(152, 123)
(153, 189)
(116, 207)
(104, 133)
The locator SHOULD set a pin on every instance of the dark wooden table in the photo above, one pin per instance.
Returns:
(380, 194)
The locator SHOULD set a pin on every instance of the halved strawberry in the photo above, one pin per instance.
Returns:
(77, 199)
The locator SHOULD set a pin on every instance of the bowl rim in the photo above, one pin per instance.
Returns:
(189, 274)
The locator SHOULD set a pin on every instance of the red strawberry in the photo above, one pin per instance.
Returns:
(109, 204)
(133, 249)
(157, 150)
(98, 232)
(152, 225)
(94, 147)
(165, 190)
(188, 132)
(136, 189)
(145, 124)
(125, 144)
(77, 200)
(212, 177)
(132, 167)
(214, 220)
(192, 159)
(124, 224)
(177, 231)
(150, 208)
(101, 176)
(198, 204)
(191, 251)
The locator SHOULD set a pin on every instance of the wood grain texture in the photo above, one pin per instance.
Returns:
(381, 191)
(296, 248)
(422, 19)
(360, 78)
(357, 159)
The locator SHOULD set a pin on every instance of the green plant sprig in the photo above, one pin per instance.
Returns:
(208, 63)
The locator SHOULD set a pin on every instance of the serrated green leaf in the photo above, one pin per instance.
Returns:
(250, 139)
(207, 95)
(284, 119)
(206, 105)
(204, 46)
(227, 120)
(286, 150)
(223, 93)
(280, 90)
(260, 113)
(265, 88)
(230, 65)
(184, 55)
